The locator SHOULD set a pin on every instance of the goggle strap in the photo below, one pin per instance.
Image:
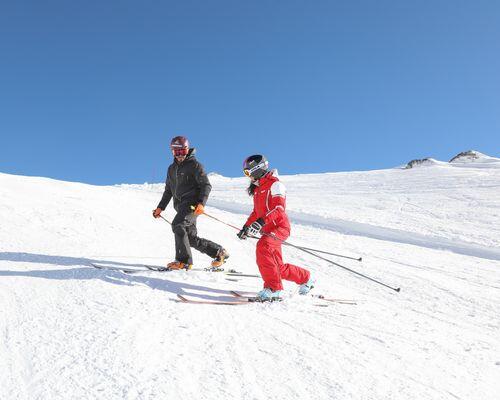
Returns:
(248, 172)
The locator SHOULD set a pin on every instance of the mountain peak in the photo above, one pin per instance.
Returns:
(468, 156)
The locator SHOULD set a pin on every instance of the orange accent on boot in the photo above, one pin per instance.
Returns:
(220, 259)
(175, 265)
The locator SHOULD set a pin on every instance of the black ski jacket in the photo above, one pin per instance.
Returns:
(186, 182)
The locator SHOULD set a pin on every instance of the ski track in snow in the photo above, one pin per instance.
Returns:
(68, 330)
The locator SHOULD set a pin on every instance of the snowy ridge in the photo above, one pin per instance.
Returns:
(468, 159)
(377, 232)
(68, 330)
(476, 158)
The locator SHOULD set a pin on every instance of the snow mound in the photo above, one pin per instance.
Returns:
(471, 156)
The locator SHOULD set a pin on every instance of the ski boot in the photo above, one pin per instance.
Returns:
(306, 287)
(220, 258)
(265, 295)
(176, 265)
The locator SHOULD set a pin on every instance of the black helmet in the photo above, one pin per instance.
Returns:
(255, 166)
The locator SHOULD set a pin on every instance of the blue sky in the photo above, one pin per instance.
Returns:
(93, 91)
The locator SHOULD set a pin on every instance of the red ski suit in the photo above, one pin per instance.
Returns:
(269, 201)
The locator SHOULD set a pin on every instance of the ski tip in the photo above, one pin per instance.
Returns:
(360, 259)
(398, 289)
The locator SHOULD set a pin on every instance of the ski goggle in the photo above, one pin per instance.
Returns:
(180, 152)
(249, 172)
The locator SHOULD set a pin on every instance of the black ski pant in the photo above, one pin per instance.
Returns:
(186, 236)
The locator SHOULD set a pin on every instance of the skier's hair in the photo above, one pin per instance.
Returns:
(251, 189)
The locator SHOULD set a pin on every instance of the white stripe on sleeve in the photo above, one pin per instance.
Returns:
(278, 189)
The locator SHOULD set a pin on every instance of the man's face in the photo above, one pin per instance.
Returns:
(180, 154)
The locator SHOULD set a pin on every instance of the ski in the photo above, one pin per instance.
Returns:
(119, 269)
(215, 302)
(146, 268)
(243, 275)
(251, 296)
(341, 301)
(230, 272)
(156, 268)
(166, 269)
(241, 295)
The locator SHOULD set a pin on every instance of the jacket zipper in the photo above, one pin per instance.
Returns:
(176, 180)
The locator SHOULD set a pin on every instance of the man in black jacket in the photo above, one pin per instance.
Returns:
(188, 184)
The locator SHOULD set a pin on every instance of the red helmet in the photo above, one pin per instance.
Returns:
(179, 146)
(179, 142)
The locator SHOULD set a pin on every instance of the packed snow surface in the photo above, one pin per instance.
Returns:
(70, 331)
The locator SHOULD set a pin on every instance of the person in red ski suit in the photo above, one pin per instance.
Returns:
(269, 218)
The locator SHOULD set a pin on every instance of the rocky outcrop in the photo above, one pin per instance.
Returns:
(417, 162)
(466, 156)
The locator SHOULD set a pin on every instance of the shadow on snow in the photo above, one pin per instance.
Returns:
(88, 272)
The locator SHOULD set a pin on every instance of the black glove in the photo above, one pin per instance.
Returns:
(243, 234)
(256, 226)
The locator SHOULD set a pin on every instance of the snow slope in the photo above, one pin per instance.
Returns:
(69, 331)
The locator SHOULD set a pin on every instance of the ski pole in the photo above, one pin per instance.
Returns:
(338, 265)
(287, 243)
(325, 252)
(217, 219)
(163, 218)
(166, 220)
(309, 251)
